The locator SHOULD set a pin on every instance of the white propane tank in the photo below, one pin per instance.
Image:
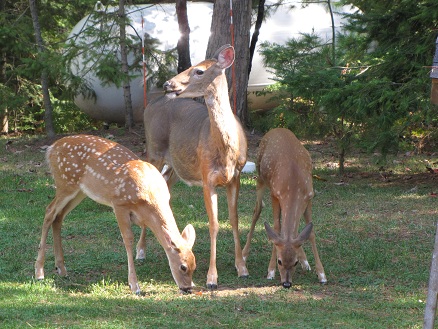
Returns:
(160, 22)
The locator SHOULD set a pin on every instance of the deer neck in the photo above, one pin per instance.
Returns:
(222, 127)
(163, 221)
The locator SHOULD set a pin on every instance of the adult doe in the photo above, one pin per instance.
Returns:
(201, 145)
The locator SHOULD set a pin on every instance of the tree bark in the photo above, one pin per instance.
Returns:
(48, 109)
(333, 33)
(255, 35)
(431, 301)
(220, 35)
(183, 46)
(129, 117)
(4, 120)
(3, 115)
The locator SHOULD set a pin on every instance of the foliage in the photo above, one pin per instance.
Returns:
(95, 48)
(378, 90)
(21, 65)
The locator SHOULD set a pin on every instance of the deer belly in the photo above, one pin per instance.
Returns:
(188, 171)
(95, 195)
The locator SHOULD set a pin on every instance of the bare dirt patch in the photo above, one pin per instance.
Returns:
(323, 154)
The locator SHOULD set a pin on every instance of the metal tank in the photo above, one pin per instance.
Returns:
(160, 22)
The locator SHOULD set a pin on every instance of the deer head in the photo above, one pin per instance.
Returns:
(287, 251)
(181, 259)
(194, 81)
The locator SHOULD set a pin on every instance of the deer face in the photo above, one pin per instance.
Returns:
(182, 264)
(287, 252)
(287, 260)
(182, 260)
(194, 81)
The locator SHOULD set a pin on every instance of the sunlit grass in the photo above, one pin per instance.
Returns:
(375, 237)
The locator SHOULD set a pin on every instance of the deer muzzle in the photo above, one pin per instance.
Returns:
(287, 284)
(187, 290)
(169, 89)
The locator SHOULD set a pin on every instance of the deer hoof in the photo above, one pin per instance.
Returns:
(140, 255)
(39, 274)
(246, 276)
(212, 286)
(305, 266)
(271, 275)
(62, 271)
(185, 291)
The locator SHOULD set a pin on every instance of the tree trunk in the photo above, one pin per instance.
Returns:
(431, 301)
(129, 117)
(333, 33)
(255, 35)
(341, 160)
(220, 35)
(183, 46)
(48, 109)
(3, 115)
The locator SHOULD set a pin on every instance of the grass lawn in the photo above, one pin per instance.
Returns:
(375, 231)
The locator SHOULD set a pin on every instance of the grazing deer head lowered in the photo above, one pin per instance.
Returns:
(201, 145)
(285, 167)
(112, 175)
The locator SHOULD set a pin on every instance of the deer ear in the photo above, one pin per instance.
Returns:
(225, 56)
(304, 235)
(189, 235)
(272, 235)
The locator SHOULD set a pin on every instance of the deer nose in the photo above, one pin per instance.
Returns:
(287, 284)
(186, 290)
(167, 85)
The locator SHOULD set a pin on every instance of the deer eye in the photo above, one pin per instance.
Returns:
(183, 268)
(199, 72)
(296, 263)
(280, 262)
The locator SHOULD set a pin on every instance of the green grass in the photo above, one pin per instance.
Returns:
(375, 237)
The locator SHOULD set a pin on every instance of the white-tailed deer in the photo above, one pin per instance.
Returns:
(285, 167)
(202, 145)
(112, 175)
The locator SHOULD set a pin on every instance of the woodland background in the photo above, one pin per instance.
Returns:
(368, 87)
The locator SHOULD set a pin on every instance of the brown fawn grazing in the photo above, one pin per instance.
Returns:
(201, 145)
(285, 167)
(112, 175)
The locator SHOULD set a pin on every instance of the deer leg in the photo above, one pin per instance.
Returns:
(232, 196)
(53, 211)
(302, 258)
(141, 245)
(257, 210)
(277, 227)
(210, 200)
(123, 219)
(48, 220)
(318, 264)
(56, 231)
(170, 176)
